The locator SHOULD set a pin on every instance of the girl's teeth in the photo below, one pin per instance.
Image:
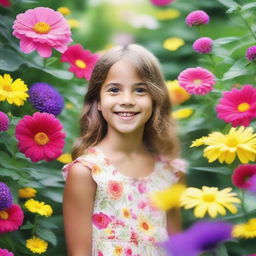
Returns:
(126, 114)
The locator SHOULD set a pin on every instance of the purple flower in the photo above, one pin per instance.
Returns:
(4, 122)
(45, 98)
(251, 53)
(202, 236)
(161, 2)
(203, 45)
(5, 196)
(196, 18)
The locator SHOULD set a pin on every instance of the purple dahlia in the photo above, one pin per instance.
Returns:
(5, 196)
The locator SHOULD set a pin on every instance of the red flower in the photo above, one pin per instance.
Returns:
(115, 189)
(100, 220)
(11, 219)
(244, 177)
(5, 3)
(82, 61)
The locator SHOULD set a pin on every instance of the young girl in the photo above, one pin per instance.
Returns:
(127, 149)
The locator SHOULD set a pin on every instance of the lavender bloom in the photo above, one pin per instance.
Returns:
(203, 45)
(5, 196)
(4, 122)
(251, 53)
(202, 236)
(196, 18)
(45, 98)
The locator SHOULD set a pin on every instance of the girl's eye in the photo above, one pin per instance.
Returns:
(141, 90)
(113, 89)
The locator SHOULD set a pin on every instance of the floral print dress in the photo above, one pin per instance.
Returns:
(125, 223)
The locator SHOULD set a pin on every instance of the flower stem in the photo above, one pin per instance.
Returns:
(34, 226)
(243, 205)
(248, 25)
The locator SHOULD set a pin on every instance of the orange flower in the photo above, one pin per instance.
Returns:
(115, 189)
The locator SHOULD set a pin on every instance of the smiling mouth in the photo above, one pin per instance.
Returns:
(126, 114)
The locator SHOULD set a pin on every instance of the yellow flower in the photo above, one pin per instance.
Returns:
(36, 245)
(73, 23)
(168, 198)
(173, 43)
(38, 207)
(198, 142)
(210, 200)
(167, 14)
(182, 113)
(65, 158)
(69, 106)
(145, 226)
(118, 250)
(64, 10)
(177, 94)
(27, 192)
(245, 230)
(126, 213)
(13, 92)
(225, 147)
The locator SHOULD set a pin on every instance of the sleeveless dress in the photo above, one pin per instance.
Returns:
(125, 223)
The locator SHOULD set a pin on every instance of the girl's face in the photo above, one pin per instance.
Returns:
(125, 101)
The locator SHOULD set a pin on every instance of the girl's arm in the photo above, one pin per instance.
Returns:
(78, 198)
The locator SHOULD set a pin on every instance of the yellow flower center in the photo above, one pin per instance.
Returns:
(209, 198)
(243, 107)
(197, 81)
(7, 88)
(80, 64)
(145, 226)
(231, 141)
(3, 215)
(41, 138)
(42, 28)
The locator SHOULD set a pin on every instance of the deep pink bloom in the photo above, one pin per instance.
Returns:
(42, 29)
(4, 252)
(4, 122)
(81, 61)
(5, 3)
(196, 80)
(244, 176)
(251, 53)
(197, 18)
(101, 220)
(40, 137)
(161, 2)
(203, 45)
(11, 219)
(238, 106)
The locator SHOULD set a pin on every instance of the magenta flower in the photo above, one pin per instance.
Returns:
(197, 18)
(40, 137)
(4, 122)
(5, 3)
(196, 80)
(81, 61)
(161, 2)
(251, 53)
(203, 45)
(4, 252)
(42, 29)
(238, 106)
(101, 220)
(11, 219)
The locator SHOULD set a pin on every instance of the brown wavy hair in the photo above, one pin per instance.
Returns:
(159, 133)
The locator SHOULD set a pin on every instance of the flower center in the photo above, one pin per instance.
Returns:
(7, 88)
(145, 226)
(41, 138)
(80, 64)
(42, 28)
(243, 107)
(209, 197)
(197, 81)
(3, 215)
(231, 141)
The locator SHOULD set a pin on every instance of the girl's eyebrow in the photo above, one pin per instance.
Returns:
(119, 85)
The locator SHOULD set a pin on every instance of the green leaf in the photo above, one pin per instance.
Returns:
(221, 251)
(9, 60)
(225, 40)
(9, 173)
(229, 3)
(221, 170)
(47, 235)
(248, 6)
(26, 226)
(238, 69)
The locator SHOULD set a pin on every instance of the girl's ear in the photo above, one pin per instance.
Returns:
(99, 106)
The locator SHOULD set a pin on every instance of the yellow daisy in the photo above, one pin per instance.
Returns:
(173, 43)
(38, 207)
(245, 230)
(64, 10)
(182, 113)
(198, 142)
(168, 198)
(224, 147)
(73, 23)
(145, 226)
(167, 14)
(13, 92)
(36, 245)
(27, 192)
(65, 158)
(210, 200)
(126, 213)
(118, 250)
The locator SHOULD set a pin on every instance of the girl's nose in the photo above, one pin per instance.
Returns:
(127, 98)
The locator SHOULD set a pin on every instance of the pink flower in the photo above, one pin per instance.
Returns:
(4, 122)
(40, 137)
(142, 188)
(251, 53)
(42, 29)
(115, 189)
(128, 251)
(5, 3)
(196, 80)
(238, 106)
(82, 61)
(161, 2)
(203, 45)
(101, 220)
(4, 252)
(100, 253)
(196, 18)
(11, 219)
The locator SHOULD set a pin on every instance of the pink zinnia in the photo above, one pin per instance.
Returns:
(238, 106)
(161, 2)
(4, 252)
(42, 29)
(101, 220)
(196, 80)
(203, 45)
(82, 61)
(4, 122)
(197, 18)
(5, 3)
(11, 219)
(40, 137)
(244, 176)
(251, 53)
